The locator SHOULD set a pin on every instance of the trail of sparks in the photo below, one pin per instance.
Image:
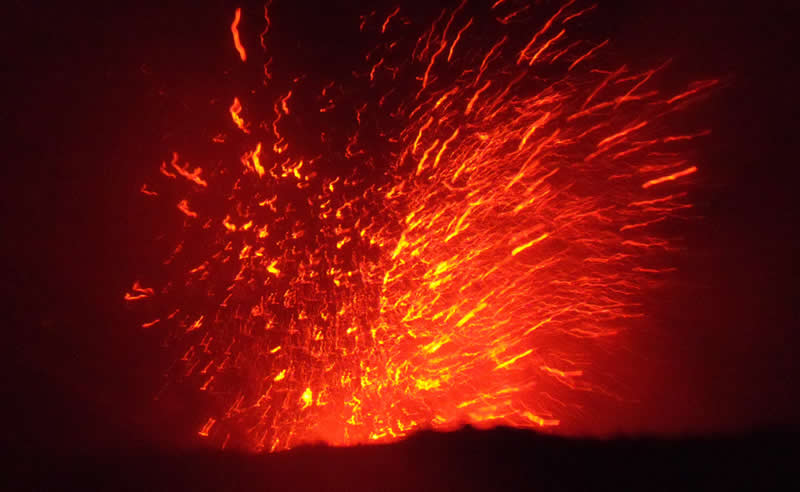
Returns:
(486, 231)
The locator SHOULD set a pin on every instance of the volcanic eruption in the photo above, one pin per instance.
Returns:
(443, 237)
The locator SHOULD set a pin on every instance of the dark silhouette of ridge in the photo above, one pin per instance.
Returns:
(465, 460)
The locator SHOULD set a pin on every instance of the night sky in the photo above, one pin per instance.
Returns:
(86, 125)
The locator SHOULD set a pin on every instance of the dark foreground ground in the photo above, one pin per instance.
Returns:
(500, 459)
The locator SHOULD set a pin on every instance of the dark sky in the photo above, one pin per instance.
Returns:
(86, 126)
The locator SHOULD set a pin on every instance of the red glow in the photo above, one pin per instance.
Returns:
(509, 229)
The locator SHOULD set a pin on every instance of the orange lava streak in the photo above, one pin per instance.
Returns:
(237, 43)
(507, 18)
(587, 55)
(578, 13)
(527, 245)
(389, 18)
(696, 87)
(457, 39)
(235, 111)
(267, 24)
(147, 191)
(207, 427)
(183, 206)
(252, 160)
(546, 45)
(670, 177)
(475, 96)
(524, 53)
(193, 176)
(138, 293)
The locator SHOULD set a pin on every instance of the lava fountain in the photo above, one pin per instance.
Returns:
(441, 238)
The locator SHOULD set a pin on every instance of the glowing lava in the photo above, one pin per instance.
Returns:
(464, 232)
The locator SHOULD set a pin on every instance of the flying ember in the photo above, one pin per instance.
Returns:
(443, 237)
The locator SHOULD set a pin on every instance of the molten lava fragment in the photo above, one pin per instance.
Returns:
(235, 31)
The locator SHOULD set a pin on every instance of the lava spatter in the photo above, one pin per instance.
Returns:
(480, 215)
